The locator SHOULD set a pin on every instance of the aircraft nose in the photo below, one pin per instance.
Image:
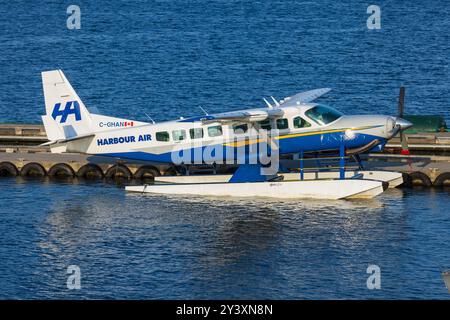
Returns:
(403, 124)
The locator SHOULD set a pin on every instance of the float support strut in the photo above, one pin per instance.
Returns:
(358, 159)
(342, 162)
(302, 173)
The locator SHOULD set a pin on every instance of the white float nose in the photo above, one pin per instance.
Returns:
(403, 124)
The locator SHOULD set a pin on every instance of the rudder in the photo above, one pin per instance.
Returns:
(66, 115)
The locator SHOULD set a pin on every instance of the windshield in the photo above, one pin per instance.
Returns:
(323, 115)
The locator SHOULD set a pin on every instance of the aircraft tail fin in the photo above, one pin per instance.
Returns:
(66, 115)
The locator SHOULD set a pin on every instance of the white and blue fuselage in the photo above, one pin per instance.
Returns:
(294, 125)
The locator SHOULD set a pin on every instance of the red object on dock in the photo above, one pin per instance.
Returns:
(405, 152)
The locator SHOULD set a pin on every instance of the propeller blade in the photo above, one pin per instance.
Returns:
(401, 102)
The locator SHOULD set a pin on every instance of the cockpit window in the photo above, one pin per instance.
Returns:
(299, 122)
(323, 115)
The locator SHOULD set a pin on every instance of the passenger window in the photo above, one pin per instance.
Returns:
(215, 131)
(162, 136)
(299, 122)
(196, 133)
(282, 123)
(240, 128)
(265, 124)
(178, 135)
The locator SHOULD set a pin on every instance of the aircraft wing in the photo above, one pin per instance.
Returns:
(244, 116)
(261, 114)
(304, 97)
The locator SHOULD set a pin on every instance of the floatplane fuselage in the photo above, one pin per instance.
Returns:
(293, 125)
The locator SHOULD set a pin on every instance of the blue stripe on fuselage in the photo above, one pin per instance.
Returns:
(328, 141)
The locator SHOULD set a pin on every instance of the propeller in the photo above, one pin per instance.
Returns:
(403, 124)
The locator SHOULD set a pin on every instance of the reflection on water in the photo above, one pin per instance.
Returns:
(153, 246)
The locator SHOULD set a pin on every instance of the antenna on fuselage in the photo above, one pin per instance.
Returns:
(276, 102)
(151, 119)
(206, 112)
(268, 104)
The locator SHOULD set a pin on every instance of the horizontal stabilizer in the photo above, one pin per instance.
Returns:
(52, 142)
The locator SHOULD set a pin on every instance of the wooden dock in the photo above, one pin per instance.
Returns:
(20, 154)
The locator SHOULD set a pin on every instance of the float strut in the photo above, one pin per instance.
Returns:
(302, 173)
(342, 162)
(186, 169)
(358, 159)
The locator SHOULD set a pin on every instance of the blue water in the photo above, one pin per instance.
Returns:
(155, 247)
(168, 57)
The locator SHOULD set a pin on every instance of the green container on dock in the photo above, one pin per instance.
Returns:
(426, 123)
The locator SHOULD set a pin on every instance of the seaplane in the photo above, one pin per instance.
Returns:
(254, 139)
